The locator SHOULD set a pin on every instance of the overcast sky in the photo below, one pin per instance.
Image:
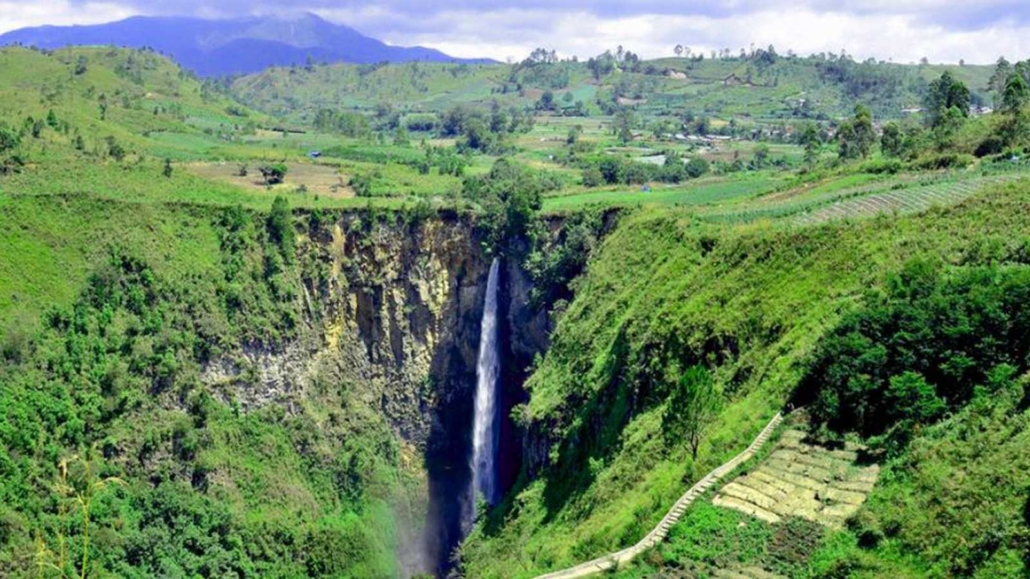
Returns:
(902, 30)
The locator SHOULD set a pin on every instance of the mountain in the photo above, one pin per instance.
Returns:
(234, 46)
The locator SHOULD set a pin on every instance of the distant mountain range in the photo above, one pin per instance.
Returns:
(235, 46)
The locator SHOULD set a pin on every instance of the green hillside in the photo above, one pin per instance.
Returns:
(753, 87)
(751, 303)
(240, 320)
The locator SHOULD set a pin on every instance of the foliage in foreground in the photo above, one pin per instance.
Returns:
(749, 303)
(206, 488)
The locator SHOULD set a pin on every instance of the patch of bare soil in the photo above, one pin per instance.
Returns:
(316, 179)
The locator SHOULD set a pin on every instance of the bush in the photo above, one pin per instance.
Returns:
(9, 138)
(882, 166)
(362, 184)
(944, 161)
(697, 167)
(992, 145)
(920, 348)
(592, 177)
(274, 173)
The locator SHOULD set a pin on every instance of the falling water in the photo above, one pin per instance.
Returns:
(485, 431)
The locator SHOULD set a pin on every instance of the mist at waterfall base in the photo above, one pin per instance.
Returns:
(485, 431)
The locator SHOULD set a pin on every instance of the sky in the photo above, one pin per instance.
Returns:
(977, 31)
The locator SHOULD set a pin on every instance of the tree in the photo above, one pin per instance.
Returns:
(855, 138)
(696, 167)
(274, 173)
(999, 78)
(592, 177)
(400, 136)
(546, 102)
(81, 65)
(167, 170)
(114, 149)
(1013, 104)
(693, 405)
(812, 143)
(673, 170)
(892, 144)
(574, 132)
(51, 120)
(947, 127)
(865, 134)
(498, 119)
(946, 93)
(9, 138)
(1016, 94)
(510, 195)
(625, 120)
(761, 156)
(612, 169)
(280, 228)
(846, 137)
(678, 50)
(36, 127)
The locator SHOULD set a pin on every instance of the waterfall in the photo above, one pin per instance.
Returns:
(485, 429)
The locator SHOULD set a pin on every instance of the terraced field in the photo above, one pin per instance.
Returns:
(804, 480)
(900, 194)
(905, 200)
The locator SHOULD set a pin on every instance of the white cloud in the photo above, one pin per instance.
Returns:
(14, 15)
(902, 37)
(883, 29)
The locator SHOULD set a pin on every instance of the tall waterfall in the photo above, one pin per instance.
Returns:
(485, 430)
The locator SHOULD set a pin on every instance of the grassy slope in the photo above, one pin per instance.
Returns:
(419, 85)
(53, 243)
(133, 83)
(953, 505)
(190, 124)
(299, 92)
(753, 306)
(278, 487)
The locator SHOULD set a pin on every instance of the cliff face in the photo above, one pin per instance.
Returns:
(400, 309)
(392, 311)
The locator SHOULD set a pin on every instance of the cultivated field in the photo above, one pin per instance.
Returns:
(805, 480)
(313, 178)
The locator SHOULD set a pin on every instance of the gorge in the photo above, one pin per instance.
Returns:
(442, 337)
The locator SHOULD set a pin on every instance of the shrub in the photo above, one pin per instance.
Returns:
(274, 173)
(992, 145)
(944, 161)
(592, 177)
(362, 184)
(882, 166)
(697, 167)
(921, 347)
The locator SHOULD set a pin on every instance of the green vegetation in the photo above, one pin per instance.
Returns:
(712, 239)
(750, 304)
(921, 349)
(114, 376)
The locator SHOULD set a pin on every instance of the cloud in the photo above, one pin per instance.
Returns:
(14, 15)
(515, 32)
(942, 30)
